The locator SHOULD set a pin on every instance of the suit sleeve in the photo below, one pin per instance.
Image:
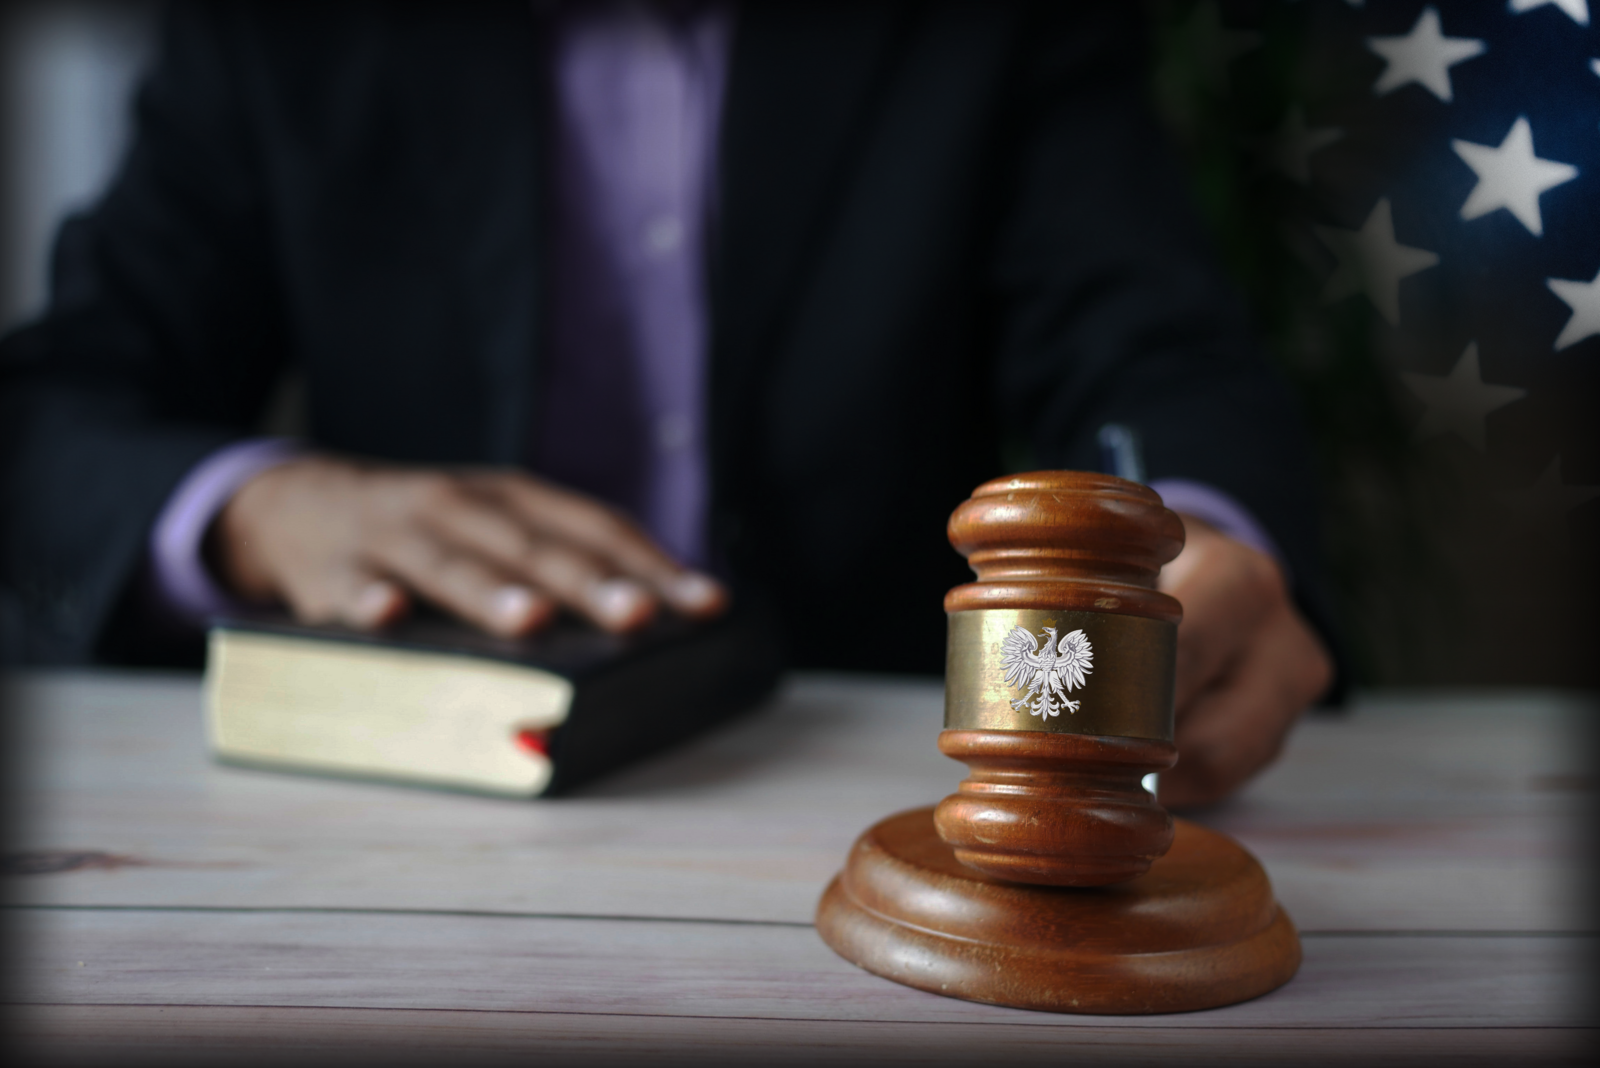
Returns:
(1116, 309)
(162, 336)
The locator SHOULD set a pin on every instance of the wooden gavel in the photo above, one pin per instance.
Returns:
(1059, 679)
(1051, 879)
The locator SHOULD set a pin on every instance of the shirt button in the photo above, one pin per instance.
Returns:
(663, 235)
(674, 432)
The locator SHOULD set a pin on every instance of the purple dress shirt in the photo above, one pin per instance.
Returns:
(638, 98)
(622, 405)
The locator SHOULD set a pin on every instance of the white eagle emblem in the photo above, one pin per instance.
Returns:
(1048, 672)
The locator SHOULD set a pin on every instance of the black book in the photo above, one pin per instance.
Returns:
(432, 702)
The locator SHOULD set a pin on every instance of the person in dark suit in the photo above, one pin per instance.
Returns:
(617, 308)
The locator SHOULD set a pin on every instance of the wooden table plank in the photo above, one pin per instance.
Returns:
(691, 969)
(204, 1035)
(1412, 813)
(667, 910)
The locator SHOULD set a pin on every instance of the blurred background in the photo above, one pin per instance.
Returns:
(67, 69)
(1407, 193)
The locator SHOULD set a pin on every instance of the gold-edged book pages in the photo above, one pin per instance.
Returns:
(432, 719)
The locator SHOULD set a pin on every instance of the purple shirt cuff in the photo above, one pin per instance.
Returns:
(1217, 508)
(182, 584)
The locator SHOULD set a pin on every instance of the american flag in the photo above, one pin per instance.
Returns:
(1410, 191)
(1457, 191)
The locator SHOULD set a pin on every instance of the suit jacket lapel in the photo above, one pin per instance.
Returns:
(801, 85)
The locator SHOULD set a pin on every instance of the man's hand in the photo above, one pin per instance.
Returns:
(338, 540)
(1248, 665)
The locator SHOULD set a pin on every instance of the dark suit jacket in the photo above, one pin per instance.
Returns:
(949, 242)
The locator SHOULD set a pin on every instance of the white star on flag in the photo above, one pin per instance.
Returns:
(1459, 402)
(1577, 10)
(1371, 261)
(1547, 502)
(1425, 56)
(1584, 300)
(1294, 143)
(1511, 176)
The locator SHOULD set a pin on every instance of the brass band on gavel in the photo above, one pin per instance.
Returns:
(1126, 693)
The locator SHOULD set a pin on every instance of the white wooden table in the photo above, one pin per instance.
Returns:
(1433, 849)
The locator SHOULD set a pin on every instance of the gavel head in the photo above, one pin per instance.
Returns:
(1059, 679)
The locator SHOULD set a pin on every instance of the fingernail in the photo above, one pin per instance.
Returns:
(694, 590)
(512, 605)
(617, 600)
(373, 601)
